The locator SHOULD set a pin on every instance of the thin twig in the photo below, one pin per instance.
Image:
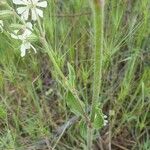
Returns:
(119, 146)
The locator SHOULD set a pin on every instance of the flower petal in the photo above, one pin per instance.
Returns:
(14, 35)
(25, 14)
(26, 34)
(39, 12)
(33, 14)
(34, 1)
(29, 25)
(23, 50)
(19, 2)
(27, 45)
(21, 37)
(24, 47)
(42, 4)
(105, 117)
(20, 10)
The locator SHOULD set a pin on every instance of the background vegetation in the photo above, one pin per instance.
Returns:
(33, 98)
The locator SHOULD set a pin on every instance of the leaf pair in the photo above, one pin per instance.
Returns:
(78, 107)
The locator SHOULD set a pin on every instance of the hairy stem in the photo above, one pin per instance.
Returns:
(98, 13)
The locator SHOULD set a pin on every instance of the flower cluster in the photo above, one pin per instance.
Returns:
(28, 10)
(30, 6)
(27, 31)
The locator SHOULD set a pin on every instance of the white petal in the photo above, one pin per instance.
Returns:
(39, 12)
(29, 25)
(23, 50)
(33, 14)
(27, 45)
(42, 4)
(25, 14)
(106, 121)
(19, 2)
(21, 37)
(34, 1)
(20, 10)
(105, 117)
(105, 124)
(24, 47)
(26, 34)
(14, 35)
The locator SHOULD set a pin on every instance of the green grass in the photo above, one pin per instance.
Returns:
(34, 89)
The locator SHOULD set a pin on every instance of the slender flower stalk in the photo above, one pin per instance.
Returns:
(50, 52)
(98, 13)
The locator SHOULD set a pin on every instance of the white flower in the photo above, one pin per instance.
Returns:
(105, 117)
(27, 31)
(1, 25)
(105, 120)
(31, 6)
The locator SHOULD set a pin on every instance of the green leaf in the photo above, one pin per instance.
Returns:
(3, 112)
(1, 80)
(98, 120)
(71, 75)
(83, 129)
(75, 106)
(16, 26)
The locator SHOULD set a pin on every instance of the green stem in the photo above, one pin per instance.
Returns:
(98, 12)
(50, 52)
(89, 138)
(65, 81)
